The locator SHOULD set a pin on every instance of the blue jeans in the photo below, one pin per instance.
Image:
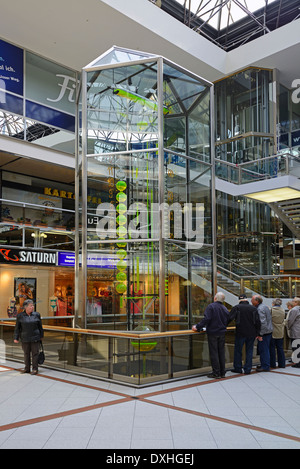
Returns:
(277, 345)
(238, 348)
(264, 351)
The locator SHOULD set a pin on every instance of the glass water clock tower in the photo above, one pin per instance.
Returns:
(144, 194)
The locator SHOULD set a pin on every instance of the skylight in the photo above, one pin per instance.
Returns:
(222, 13)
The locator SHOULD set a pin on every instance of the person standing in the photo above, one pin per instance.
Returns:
(293, 326)
(264, 338)
(289, 305)
(276, 345)
(248, 325)
(29, 330)
(215, 322)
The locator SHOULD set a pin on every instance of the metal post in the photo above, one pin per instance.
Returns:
(77, 182)
(84, 198)
(161, 182)
(213, 194)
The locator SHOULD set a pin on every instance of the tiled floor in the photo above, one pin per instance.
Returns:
(55, 410)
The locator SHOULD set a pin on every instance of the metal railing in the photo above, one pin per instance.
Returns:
(270, 167)
(270, 286)
(138, 359)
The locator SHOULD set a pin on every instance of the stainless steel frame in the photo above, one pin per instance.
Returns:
(82, 157)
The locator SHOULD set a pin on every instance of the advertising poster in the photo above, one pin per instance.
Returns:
(11, 68)
(24, 289)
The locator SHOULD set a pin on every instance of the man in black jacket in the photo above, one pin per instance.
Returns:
(30, 330)
(248, 325)
(215, 322)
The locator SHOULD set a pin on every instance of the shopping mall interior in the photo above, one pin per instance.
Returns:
(150, 157)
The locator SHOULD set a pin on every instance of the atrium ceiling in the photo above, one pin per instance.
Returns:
(232, 23)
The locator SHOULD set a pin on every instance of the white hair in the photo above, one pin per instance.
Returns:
(219, 297)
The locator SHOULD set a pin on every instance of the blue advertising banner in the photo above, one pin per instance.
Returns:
(296, 138)
(50, 116)
(11, 68)
(65, 259)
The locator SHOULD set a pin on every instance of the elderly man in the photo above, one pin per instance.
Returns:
(265, 335)
(215, 321)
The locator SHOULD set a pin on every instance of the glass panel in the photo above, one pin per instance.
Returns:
(295, 116)
(122, 190)
(199, 130)
(119, 56)
(186, 112)
(34, 226)
(188, 196)
(244, 104)
(181, 91)
(188, 284)
(242, 150)
(247, 237)
(122, 286)
(50, 84)
(284, 109)
(122, 106)
(175, 134)
(124, 227)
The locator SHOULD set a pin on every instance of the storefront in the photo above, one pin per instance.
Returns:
(36, 275)
(37, 224)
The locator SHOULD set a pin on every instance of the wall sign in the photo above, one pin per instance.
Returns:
(11, 68)
(65, 259)
(49, 88)
(17, 257)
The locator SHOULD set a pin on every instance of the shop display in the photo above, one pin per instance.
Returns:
(61, 303)
(99, 302)
(11, 309)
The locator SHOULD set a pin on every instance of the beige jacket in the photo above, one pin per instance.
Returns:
(278, 315)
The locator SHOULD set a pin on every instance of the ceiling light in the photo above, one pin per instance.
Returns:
(275, 195)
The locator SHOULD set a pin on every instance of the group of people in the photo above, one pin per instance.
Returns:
(253, 321)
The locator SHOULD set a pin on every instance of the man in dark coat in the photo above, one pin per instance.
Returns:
(30, 330)
(248, 325)
(215, 322)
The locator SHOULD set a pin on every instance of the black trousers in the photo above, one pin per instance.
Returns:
(216, 347)
(31, 352)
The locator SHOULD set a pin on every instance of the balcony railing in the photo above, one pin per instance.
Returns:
(282, 164)
(238, 279)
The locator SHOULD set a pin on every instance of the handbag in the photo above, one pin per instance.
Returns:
(41, 357)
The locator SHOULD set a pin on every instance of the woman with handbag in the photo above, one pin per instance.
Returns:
(29, 330)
